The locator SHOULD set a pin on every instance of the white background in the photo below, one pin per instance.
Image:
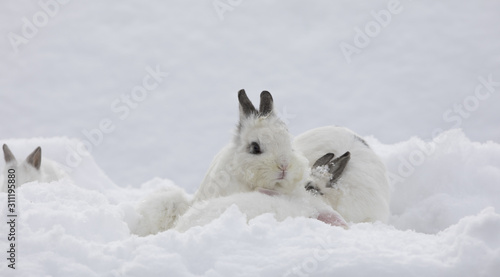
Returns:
(64, 79)
(397, 91)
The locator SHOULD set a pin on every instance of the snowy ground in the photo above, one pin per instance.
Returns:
(444, 223)
(426, 71)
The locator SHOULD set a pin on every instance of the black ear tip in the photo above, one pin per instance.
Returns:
(242, 96)
(346, 156)
(6, 148)
(324, 160)
(266, 94)
(38, 149)
(328, 157)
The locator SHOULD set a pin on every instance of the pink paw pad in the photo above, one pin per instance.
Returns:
(334, 219)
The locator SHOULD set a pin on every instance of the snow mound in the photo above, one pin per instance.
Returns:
(439, 182)
(444, 222)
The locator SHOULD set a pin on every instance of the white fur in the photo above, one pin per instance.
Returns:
(160, 211)
(253, 204)
(49, 171)
(362, 194)
(235, 170)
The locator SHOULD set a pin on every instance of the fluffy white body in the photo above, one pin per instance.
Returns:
(160, 211)
(260, 156)
(362, 194)
(31, 169)
(256, 203)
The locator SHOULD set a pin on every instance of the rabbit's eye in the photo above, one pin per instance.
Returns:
(313, 189)
(309, 186)
(254, 148)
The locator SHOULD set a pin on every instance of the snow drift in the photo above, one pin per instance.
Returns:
(444, 222)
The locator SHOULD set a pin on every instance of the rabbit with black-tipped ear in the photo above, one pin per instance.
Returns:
(351, 178)
(326, 171)
(297, 203)
(261, 155)
(31, 169)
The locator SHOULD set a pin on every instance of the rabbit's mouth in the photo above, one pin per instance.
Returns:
(282, 186)
(282, 175)
(283, 170)
(282, 180)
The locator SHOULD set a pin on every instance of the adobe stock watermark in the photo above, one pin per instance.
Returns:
(471, 103)
(12, 212)
(220, 180)
(122, 107)
(373, 28)
(456, 115)
(30, 26)
(223, 6)
(310, 264)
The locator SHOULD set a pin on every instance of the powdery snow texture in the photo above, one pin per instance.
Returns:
(444, 222)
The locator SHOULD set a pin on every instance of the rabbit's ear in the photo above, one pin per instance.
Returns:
(266, 103)
(246, 106)
(7, 154)
(337, 166)
(324, 160)
(35, 158)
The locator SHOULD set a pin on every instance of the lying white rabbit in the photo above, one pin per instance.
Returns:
(260, 156)
(296, 203)
(31, 169)
(355, 183)
(166, 208)
(293, 204)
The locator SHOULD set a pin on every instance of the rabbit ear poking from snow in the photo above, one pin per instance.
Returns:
(323, 160)
(246, 107)
(337, 166)
(35, 158)
(266, 103)
(7, 154)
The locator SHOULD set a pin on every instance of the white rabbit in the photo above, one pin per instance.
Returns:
(293, 204)
(354, 184)
(31, 169)
(260, 156)
(296, 203)
(160, 211)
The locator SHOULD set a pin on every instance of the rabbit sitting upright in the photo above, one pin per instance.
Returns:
(260, 156)
(31, 169)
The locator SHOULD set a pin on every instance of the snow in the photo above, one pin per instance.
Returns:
(433, 68)
(444, 223)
